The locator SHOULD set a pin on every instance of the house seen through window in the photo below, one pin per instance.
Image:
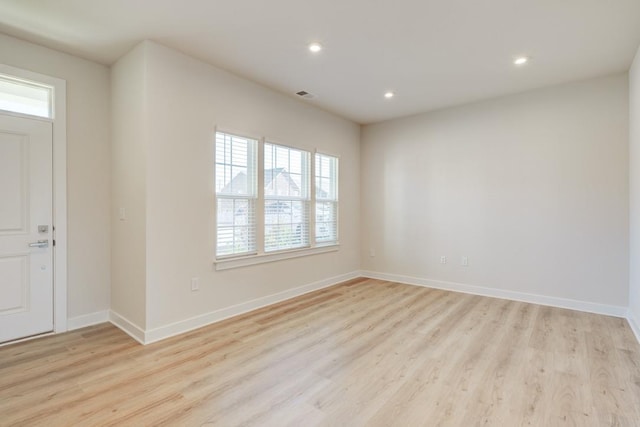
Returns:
(236, 194)
(286, 198)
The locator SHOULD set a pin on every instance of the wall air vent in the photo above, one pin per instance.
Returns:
(305, 94)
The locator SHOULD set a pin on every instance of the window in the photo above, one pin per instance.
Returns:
(236, 193)
(21, 96)
(286, 198)
(267, 209)
(326, 173)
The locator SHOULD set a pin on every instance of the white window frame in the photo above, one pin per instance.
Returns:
(305, 198)
(252, 158)
(260, 257)
(335, 200)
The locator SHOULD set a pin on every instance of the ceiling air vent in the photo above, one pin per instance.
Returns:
(305, 94)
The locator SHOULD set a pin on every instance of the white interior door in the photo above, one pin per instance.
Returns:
(26, 253)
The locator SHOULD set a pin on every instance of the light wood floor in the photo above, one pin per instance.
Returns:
(361, 353)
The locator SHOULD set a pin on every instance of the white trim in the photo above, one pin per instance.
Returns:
(196, 322)
(128, 327)
(60, 204)
(634, 324)
(230, 131)
(59, 188)
(326, 153)
(26, 116)
(589, 307)
(29, 338)
(88, 320)
(229, 263)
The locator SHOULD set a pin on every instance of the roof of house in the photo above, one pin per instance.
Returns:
(239, 182)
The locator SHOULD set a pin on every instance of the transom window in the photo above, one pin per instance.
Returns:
(25, 97)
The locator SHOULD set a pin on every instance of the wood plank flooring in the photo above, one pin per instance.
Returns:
(364, 352)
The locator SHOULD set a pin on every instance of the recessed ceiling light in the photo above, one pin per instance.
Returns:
(521, 60)
(389, 95)
(315, 47)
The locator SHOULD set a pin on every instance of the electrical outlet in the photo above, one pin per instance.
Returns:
(464, 261)
(443, 259)
(372, 252)
(195, 284)
(122, 214)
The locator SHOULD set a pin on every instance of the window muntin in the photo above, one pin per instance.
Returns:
(326, 181)
(286, 198)
(24, 97)
(236, 194)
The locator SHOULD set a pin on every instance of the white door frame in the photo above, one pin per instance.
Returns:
(59, 121)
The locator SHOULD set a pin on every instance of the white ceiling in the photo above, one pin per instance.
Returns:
(432, 53)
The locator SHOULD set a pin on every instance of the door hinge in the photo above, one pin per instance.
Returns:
(54, 242)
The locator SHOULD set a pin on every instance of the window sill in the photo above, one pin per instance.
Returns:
(229, 263)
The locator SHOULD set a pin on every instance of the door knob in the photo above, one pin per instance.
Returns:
(39, 244)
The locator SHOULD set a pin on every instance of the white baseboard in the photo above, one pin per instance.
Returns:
(167, 331)
(196, 322)
(590, 307)
(634, 323)
(127, 326)
(87, 320)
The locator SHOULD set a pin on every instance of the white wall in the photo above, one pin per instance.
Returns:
(87, 168)
(185, 100)
(532, 188)
(129, 149)
(634, 190)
